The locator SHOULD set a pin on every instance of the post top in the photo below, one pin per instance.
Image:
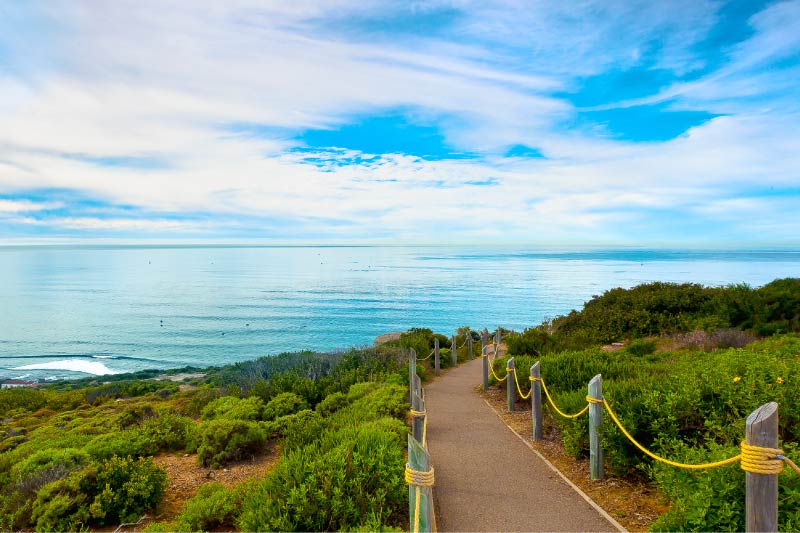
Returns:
(595, 379)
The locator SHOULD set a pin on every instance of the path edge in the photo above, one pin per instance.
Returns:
(552, 467)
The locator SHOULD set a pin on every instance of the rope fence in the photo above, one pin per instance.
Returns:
(419, 473)
(760, 457)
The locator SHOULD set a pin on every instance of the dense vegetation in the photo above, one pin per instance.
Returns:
(665, 308)
(683, 385)
(79, 455)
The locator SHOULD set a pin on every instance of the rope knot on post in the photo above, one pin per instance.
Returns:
(759, 460)
(594, 400)
(416, 413)
(419, 478)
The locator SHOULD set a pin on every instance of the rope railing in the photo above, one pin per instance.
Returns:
(419, 473)
(427, 356)
(759, 455)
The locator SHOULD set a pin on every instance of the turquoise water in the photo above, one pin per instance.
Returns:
(70, 311)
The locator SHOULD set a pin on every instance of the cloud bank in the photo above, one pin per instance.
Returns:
(343, 121)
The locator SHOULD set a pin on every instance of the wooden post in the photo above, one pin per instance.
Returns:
(412, 370)
(497, 339)
(511, 387)
(484, 337)
(595, 423)
(436, 356)
(469, 344)
(454, 350)
(485, 358)
(418, 459)
(536, 402)
(761, 490)
(417, 423)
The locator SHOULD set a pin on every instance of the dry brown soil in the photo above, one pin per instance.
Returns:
(186, 476)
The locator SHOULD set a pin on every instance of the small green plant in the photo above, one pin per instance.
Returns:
(641, 347)
(284, 404)
(224, 440)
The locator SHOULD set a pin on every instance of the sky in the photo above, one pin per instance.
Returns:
(360, 121)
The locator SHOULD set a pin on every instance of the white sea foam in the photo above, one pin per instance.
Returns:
(73, 365)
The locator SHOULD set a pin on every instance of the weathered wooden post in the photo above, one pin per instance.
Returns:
(511, 387)
(469, 344)
(761, 490)
(420, 461)
(595, 423)
(536, 401)
(485, 358)
(418, 420)
(436, 356)
(454, 350)
(497, 339)
(412, 370)
(484, 337)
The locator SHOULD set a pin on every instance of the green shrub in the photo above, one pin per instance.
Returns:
(284, 404)
(171, 432)
(134, 442)
(531, 342)
(331, 485)
(234, 408)
(641, 347)
(117, 490)
(299, 429)
(214, 508)
(332, 403)
(224, 440)
(46, 466)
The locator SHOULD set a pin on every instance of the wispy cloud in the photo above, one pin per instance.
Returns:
(372, 120)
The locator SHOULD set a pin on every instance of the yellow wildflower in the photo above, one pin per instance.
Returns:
(737, 379)
(779, 380)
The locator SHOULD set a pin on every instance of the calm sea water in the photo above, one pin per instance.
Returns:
(73, 311)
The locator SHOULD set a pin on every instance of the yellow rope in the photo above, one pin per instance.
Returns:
(647, 452)
(758, 460)
(553, 404)
(519, 390)
(790, 463)
(491, 367)
(754, 459)
(418, 479)
(425, 432)
(414, 412)
(428, 356)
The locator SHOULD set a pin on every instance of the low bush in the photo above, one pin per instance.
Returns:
(332, 403)
(234, 408)
(332, 485)
(113, 491)
(641, 347)
(224, 440)
(298, 429)
(284, 404)
(214, 508)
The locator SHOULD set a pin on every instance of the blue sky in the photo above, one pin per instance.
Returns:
(587, 122)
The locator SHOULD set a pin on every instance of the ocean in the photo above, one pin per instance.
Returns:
(72, 311)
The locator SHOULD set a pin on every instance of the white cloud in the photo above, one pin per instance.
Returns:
(23, 206)
(167, 80)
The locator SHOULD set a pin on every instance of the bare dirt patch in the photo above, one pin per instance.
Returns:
(186, 476)
(633, 504)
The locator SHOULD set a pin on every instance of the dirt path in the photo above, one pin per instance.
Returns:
(487, 479)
